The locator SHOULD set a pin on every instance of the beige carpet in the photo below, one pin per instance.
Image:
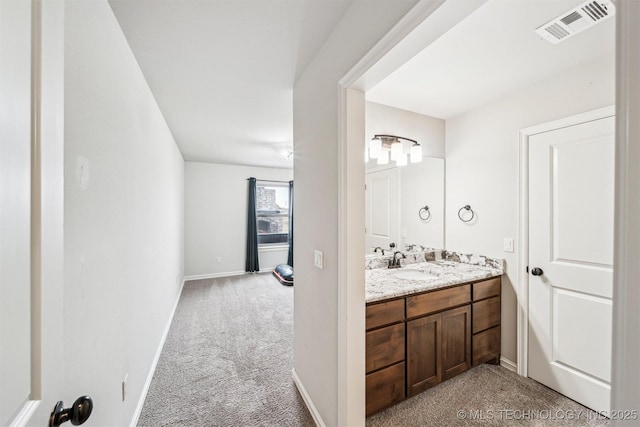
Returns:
(487, 395)
(228, 357)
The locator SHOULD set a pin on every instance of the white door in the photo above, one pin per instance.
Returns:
(571, 199)
(381, 209)
(31, 246)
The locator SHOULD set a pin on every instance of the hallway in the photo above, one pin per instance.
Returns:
(228, 358)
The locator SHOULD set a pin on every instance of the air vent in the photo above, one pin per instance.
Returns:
(577, 20)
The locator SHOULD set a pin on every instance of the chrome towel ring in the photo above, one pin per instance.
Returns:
(424, 213)
(468, 209)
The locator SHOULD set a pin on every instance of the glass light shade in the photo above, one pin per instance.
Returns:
(383, 158)
(366, 155)
(402, 160)
(416, 153)
(396, 151)
(375, 147)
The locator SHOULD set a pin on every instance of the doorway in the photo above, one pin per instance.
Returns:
(570, 167)
(353, 81)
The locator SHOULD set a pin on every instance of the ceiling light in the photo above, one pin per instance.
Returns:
(287, 153)
(396, 151)
(382, 147)
(416, 153)
(375, 146)
(383, 158)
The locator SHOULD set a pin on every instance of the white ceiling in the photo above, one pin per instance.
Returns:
(492, 52)
(222, 71)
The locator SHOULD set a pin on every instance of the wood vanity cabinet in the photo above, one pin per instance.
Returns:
(438, 345)
(486, 321)
(385, 355)
(418, 341)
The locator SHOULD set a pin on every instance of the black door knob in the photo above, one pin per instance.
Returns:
(77, 414)
(536, 271)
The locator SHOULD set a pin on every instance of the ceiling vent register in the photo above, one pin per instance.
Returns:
(577, 20)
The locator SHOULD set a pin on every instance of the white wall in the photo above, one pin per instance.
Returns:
(316, 115)
(482, 166)
(124, 186)
(216, 199)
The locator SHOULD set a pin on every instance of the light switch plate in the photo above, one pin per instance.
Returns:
(508, 244)
(318, 259)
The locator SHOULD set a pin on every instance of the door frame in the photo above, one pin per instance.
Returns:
(523, 221)
(374, 66)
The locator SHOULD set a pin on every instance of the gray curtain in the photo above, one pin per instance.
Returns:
(290, 258)
(252, 230)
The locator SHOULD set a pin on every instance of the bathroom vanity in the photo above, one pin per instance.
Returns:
(427, 322)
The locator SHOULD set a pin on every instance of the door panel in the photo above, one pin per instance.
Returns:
(381, 216)
(15, 209)
(574, 349)
(32, 313)
(582, 200)
(456, 341)
(571, 187)
(423, 353)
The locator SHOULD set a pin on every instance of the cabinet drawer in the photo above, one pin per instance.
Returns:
(384, 388)
(439, 300)
(385, 346)
(486, 314)
(385, 313)
(486, 289)
(486, 345)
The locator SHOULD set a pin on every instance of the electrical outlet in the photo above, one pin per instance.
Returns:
(124, 387)
(508, 244)
(318, 259)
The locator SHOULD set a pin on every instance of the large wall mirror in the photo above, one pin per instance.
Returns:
(396, 199)
(396, 196)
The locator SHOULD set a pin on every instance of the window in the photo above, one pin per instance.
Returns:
(272, 212)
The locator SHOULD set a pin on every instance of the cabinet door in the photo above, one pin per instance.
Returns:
(456, 341)
(424, 369)
(384, 388)
(486, 346)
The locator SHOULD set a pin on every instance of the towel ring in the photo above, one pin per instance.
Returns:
(426, 215)
(468, 209)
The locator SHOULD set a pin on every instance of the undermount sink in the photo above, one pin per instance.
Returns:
(414, 275)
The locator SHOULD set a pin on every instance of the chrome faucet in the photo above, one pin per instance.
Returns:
(394, 262)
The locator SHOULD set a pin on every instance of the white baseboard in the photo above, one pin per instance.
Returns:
(214, 275)
(25, 414)
(510, 365)
(154, 364)
(307, 400)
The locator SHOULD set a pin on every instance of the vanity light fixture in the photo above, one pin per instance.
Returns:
(383, 157)
(385, 147)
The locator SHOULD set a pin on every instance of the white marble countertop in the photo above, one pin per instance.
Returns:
(384, 283)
